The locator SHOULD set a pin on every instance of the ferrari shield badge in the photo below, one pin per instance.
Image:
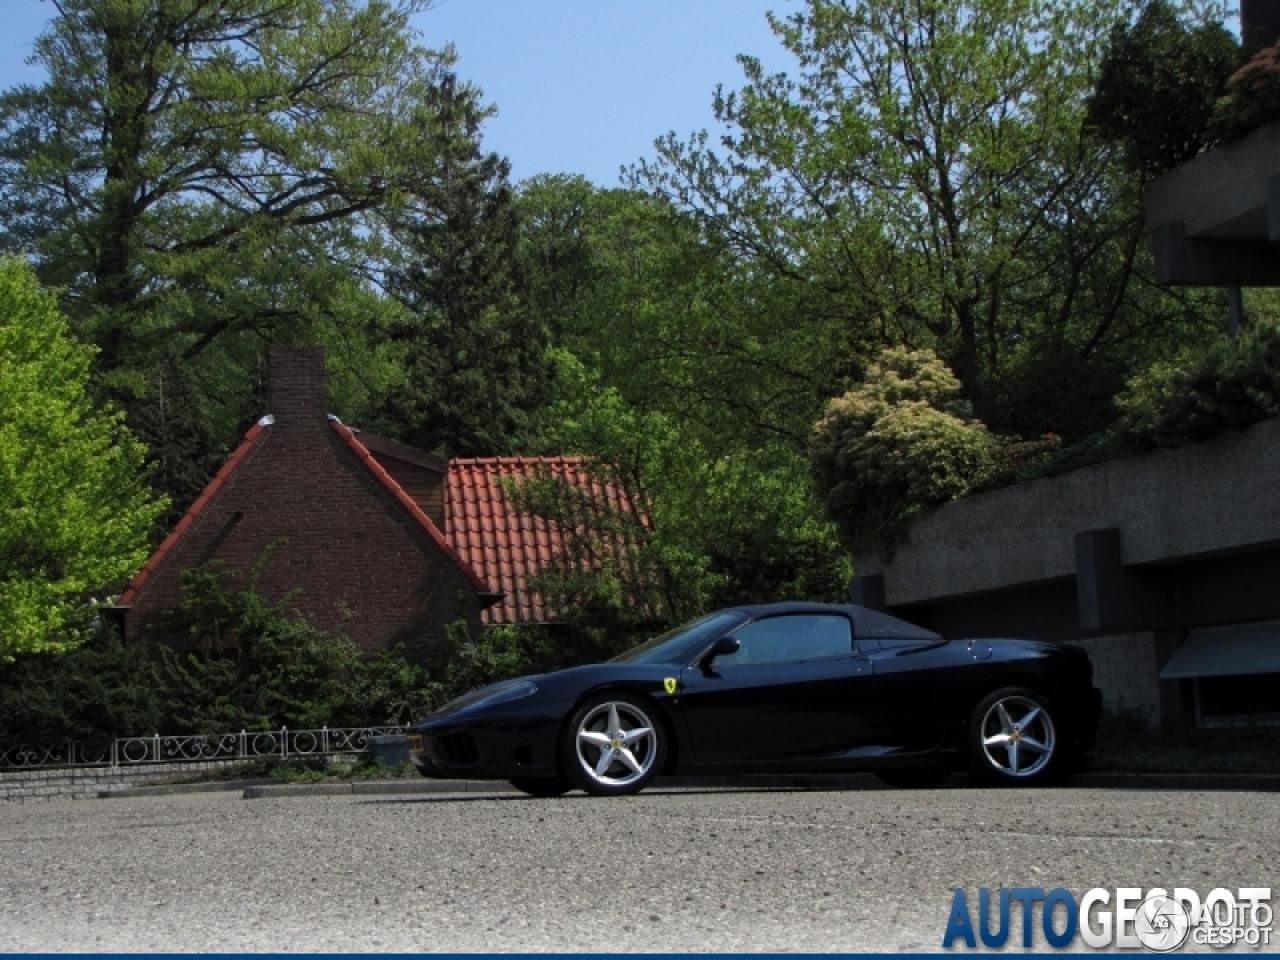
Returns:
(669, 684)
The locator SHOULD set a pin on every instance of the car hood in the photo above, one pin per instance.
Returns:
(568, 684)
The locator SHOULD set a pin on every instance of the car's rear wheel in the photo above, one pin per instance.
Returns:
(1013, 740)
(914, 778)
(542, 786)
(614, 744)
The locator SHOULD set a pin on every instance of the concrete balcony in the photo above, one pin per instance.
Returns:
(1215, 220)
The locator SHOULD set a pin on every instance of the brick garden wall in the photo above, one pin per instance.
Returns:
(84, 783)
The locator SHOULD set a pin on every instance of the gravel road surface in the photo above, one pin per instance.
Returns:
(665, 871)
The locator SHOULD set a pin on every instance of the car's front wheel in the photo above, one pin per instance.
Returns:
(542, 786)
(1013, 740)
(614, 744)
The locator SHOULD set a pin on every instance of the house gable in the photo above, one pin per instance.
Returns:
(356, 553)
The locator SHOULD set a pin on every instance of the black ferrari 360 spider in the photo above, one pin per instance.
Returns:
(783, 688)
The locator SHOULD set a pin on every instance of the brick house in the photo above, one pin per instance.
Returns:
(385, 542)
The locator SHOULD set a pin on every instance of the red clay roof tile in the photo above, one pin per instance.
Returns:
(505, 546)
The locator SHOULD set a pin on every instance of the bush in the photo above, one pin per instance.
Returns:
(1095, 448)
(500, 652)
(245, 664)
(1014, 459)
(900, 442)
(1252, 99)
(258, 665)
(1235, 384)
(89, 694)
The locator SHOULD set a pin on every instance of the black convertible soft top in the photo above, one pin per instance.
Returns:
(866, 623)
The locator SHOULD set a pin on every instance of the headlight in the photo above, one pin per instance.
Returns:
(487, 696)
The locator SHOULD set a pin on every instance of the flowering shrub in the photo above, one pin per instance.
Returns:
(1253, 97)
(900, 442)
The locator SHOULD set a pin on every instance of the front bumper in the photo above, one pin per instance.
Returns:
(491, 744)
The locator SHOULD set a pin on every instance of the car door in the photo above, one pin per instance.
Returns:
(917, 690)
(796, 688)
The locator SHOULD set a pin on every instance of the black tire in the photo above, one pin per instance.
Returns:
(1014, 739)
(914, 778)
(581, 759)
(542, 786)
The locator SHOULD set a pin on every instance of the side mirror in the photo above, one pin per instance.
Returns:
(722, 648)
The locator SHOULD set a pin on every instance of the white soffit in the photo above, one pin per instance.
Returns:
(1227, 652)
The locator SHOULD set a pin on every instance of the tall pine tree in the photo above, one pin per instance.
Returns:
(475, 367)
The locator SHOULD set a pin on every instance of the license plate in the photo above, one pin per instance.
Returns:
(415, 743)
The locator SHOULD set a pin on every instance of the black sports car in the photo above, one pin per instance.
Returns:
(780, 688)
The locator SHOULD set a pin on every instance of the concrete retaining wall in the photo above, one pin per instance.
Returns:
(1207, 498)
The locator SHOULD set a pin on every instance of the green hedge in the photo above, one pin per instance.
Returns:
(247, 665)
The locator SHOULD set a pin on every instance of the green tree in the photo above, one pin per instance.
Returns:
(75, 510)
(184, 449)
(683, 375)
(1158, 84)
(928, 180)
(203, 178)
(475, 373)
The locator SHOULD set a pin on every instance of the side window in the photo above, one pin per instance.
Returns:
(797, 637)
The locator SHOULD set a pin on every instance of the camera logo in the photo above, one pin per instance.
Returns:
(1161, 924)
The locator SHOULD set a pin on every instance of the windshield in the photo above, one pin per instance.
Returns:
(680, 644)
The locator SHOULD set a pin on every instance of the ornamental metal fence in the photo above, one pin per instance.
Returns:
(245, 745)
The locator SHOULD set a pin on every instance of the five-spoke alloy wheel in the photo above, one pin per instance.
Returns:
(1012, 738)
(614, 744)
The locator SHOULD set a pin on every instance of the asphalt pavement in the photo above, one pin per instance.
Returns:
(664, 871)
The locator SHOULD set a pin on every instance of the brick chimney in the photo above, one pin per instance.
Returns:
(297, 394)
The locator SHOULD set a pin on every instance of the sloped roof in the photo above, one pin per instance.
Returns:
(238, 456)
(407, 502)
(506, 546)
(193, 511)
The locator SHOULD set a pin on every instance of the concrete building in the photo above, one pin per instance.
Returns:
(1215, 221)
(1166, 566)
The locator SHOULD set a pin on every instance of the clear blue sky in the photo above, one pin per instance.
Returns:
(581, 86)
